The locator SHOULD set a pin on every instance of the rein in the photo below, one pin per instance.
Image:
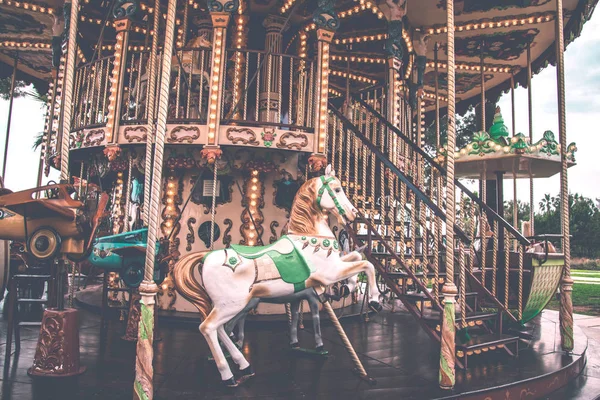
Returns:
(325, 181)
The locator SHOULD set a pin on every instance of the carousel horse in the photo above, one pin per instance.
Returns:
(222, 283)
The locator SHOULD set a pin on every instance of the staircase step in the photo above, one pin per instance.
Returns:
(420, 296)
(31, 277)
(436, 316)
(39, 301)
(388, 255)
(388, 237)
(486, 341)
(28, 323)
(405, 275)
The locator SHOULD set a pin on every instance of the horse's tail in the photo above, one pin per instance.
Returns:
(187, 284)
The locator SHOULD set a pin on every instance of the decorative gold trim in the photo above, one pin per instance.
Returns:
(283, 144)
(190, 237)
(226, 236)
(135, 138)
(272, 227)
(235, 140)
(97, 140)
(186, 138)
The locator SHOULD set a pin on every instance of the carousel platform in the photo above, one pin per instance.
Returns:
(90, 299)
(402, 359)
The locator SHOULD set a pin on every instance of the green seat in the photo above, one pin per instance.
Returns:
(282, 246)
(290, 262)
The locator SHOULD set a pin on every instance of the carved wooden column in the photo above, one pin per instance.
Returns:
(123, 12)
(447, 353)
(327, 23)
(220, 13)
(270, 86)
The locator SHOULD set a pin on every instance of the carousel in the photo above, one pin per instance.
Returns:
(267, 161)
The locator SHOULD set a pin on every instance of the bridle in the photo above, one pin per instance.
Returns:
(325, 181)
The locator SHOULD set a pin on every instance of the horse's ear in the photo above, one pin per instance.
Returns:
(329, 171)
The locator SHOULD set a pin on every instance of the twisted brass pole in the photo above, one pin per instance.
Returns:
(143, 385)
(67, 94)
(447, 376)
(150, 108)
(566, 287)
(530, 113)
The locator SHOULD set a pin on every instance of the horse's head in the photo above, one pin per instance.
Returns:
(332, 199)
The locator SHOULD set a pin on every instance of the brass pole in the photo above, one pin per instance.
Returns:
(67, 94)
(514, 132)
(482, 68)
(143, 384)
(566, 287)
(10, 107)
(150, 108)
(530, 113)
(447, 377)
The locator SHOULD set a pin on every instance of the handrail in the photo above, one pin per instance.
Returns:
(374, 232)
(93, 62)
(385, 160)
(495, 216)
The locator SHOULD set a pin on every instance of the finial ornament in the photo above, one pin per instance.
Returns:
(325, 16)
(498, 130)
(229, 6)
(124, 9)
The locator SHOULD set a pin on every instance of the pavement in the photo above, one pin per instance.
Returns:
(587, 385)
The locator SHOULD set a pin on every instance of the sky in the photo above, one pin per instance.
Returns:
(582, 80)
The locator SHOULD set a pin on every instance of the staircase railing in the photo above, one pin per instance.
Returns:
(410, 188)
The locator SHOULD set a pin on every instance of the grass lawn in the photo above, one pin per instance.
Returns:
(586, 299)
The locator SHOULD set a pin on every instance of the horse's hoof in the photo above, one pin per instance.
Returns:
(231, 382)
(344, 291)
(294, 345)
(247, 372)
(375, 306)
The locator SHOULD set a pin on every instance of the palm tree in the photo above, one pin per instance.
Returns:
(546, 204)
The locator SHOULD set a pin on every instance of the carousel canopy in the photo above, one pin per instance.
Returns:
(497, 31)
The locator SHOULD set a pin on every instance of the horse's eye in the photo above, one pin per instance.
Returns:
(337, 190)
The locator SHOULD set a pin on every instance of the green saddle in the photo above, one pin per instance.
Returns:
(290, 262)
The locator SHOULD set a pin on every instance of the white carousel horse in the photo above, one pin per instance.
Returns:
(309, 257)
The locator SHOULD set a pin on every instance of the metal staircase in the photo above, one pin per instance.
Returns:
(399, 189)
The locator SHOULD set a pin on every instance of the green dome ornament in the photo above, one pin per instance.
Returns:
(498, 131)
(519, 143)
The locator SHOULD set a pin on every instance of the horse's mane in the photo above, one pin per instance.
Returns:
(305, 212)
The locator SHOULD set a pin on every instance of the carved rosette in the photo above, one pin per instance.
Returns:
(112, 152)
(317, 162)
(253, 202)
(211, 154)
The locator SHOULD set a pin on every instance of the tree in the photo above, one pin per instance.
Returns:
(523, 211)
(465, 127)
(584, 223)
(22, 89)
(546, 204)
